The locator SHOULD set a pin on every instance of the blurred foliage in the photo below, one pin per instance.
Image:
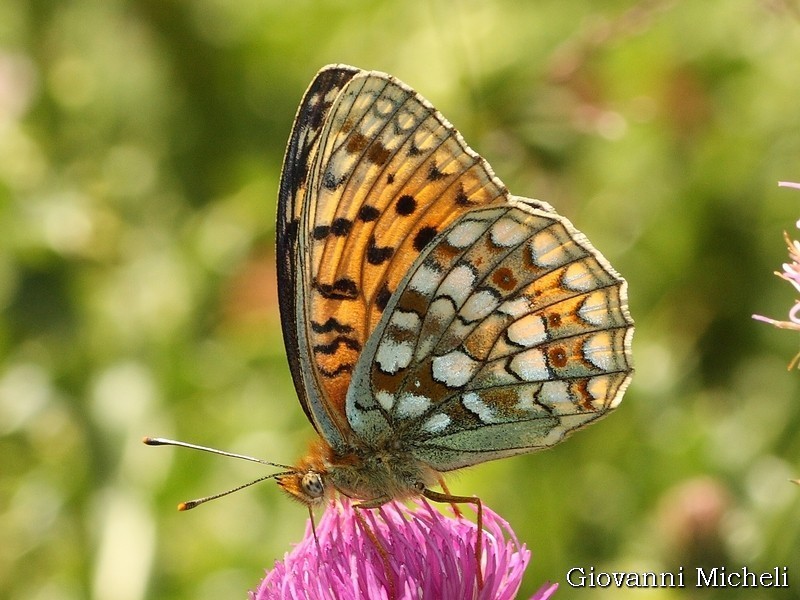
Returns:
(140, 149)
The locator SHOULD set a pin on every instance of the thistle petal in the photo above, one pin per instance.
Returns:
(430, 555)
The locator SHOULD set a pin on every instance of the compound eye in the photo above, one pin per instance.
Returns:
(312, 485)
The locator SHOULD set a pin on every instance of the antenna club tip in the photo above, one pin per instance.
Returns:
(147, 440)
(184, 506)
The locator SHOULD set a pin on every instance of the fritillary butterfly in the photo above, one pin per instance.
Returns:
(432, 320)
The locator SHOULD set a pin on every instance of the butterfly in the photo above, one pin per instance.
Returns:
(432, 320)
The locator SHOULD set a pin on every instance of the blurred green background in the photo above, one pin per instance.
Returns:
(140, 149)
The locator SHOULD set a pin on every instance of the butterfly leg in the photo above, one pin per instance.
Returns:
(382, 552)
(374, 503)
(450, 499)
(313, 527)
(453, 505)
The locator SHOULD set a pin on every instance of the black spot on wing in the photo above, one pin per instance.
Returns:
(368, 213)
(341, 227)
(382, 298)
(316, 116)
(291, 233)
(330, 325)
(424, 237)
(331, 182)
(342, 289)
(434, 174)
(377, 255)
(461, 198)
(321, 232)
(343, 368)
(333, 346)
(405, 205)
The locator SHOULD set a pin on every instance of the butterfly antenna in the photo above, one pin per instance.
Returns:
(193, 503)
(197, 502)
(168, 442)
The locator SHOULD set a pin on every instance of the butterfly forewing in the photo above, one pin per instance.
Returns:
(384, 173)
(294, 198)
(508, 332)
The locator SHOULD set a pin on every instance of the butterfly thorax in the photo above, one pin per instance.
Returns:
(372, 475)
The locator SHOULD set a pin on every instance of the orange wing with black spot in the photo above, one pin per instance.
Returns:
(371, 175)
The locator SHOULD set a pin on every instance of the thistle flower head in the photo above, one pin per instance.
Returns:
(791, 273)
(429, 556)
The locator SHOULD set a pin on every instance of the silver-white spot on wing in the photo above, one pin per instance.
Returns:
(473, 403)
(599, 350)
(530, 365)
(465, 234)
(425, 280)
(507, 233)
(547, 250)
(577, 277)
(594, 309)
(516, 307)
(385, 399)
(410, 406)
(436, 423)
(479, 305)
(555, 396)
(527, 331)
(454, 369)
(396, 354)
(393, 355)
(458, 284)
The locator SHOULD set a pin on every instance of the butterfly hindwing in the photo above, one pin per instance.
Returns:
(508, 332)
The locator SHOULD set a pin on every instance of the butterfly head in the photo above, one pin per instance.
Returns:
(309, 481)
(308, 486)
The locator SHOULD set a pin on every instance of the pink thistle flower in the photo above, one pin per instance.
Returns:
(791, 273)
(429, 556)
